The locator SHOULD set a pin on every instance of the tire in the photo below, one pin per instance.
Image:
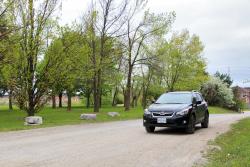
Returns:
(205, 122)
(191, 125)
(150, 129)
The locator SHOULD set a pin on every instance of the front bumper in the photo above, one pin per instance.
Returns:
(174, 121)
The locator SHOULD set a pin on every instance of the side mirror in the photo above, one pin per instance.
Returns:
(153, 101)
(198, 102)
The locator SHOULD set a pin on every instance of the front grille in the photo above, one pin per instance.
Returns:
(162, 114)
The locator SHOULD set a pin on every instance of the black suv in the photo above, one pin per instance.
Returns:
(177, 109)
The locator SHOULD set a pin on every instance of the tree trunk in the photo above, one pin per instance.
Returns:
(69, 101)
(114, 102)
(21, 106)
(128, 90)
(60, 100)
(53, 101)
(133, 102)
(10, 101)
(100, 101)
(144, 97)
(88, 99)
(136, 101)
(97, 93)
(144, 100)
(31, 109)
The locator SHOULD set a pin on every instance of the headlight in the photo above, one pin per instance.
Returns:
(183, 112)
(146, 112)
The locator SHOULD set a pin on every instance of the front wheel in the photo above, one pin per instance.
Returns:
(150, 129)
(205, 122)
(191, 125)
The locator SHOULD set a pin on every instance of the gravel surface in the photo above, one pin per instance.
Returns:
(112, 144)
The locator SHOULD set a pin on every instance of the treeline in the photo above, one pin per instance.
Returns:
(113, 50)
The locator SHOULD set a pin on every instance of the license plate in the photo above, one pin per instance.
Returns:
(161, 120)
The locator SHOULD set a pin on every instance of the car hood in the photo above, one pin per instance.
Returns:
(169, 108)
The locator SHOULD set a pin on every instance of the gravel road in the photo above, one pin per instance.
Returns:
(115, 144)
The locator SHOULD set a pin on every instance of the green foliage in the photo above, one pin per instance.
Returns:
(182, 63)
(216, 92)
(68, 60)
(31, 81)
(41, 59)
(224, 77)
(3, 87)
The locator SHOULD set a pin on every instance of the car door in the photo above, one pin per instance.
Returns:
(201, 106)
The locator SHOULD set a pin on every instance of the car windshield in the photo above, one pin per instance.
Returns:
(174, 98)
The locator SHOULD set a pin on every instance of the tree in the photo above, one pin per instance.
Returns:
(70, 58)
(6, 16)
(3, 87)
(101, 28)
(182, 64)
(224, 77)
(152, 85)
(31, 88)
(139, 34)
(10, 68)
(217, 92)
(9, 54)
(5, 27)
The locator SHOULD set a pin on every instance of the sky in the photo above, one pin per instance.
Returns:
(223, 27)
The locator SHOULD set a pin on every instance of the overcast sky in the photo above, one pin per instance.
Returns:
(223, 26)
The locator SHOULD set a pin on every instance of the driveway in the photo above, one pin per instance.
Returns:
(114, 144)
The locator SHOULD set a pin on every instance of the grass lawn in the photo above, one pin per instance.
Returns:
(235, 147)
(219, 110)
(54, 117)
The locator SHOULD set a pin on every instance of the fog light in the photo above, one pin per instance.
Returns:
(184, 122)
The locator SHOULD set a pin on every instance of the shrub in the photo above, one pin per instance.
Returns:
(216, 92)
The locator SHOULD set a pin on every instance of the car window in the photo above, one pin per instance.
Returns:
(198, 97)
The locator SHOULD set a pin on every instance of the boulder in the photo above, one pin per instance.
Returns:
(33, 120)
(88, 116)
(113, 114)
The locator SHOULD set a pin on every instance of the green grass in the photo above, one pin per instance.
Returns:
(235, 147)
(54, 117)
(219, 110)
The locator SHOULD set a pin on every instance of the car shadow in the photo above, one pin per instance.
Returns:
(174, 131)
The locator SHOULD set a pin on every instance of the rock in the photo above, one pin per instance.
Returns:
(214, 148)
(88, 116)
(113, 114)
(33, 120)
